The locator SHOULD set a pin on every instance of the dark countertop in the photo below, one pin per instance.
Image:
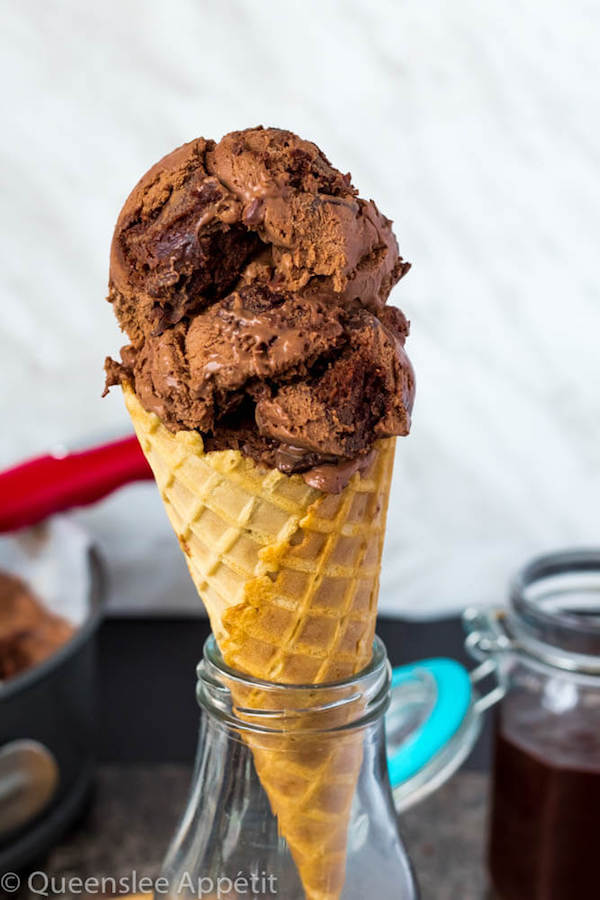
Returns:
(136, 807)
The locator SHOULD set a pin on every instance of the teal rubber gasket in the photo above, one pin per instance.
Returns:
(454, 693)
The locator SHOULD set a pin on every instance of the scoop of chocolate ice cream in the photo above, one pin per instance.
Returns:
(362, 394)
(179, 243)
(309, 214)
(252, 281)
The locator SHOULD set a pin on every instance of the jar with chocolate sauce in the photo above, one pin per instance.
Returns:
(545, 801)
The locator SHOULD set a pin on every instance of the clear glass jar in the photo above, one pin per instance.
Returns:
(230, 842)
(545, 811)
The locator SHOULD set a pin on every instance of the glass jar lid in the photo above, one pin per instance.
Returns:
(553, 617)
(555, 600)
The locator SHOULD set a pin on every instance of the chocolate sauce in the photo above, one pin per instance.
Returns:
(333, 477)
(545, 826)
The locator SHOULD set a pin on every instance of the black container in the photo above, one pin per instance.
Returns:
(47, 740)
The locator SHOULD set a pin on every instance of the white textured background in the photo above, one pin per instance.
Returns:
(473, 124)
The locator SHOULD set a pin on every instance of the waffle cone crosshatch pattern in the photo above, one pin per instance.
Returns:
(300, 568)
(290, 578)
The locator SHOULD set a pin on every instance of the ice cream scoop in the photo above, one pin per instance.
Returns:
(252, 282)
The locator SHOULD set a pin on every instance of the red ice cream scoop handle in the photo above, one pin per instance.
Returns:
(36, 489)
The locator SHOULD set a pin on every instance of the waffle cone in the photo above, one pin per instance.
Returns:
(289, 576)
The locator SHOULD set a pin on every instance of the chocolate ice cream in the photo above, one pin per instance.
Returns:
(252, 282)
(29, 633)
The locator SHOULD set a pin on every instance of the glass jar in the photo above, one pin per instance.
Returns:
(261, 747)
(545, 810)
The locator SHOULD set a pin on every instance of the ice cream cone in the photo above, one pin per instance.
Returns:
(290, 577)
